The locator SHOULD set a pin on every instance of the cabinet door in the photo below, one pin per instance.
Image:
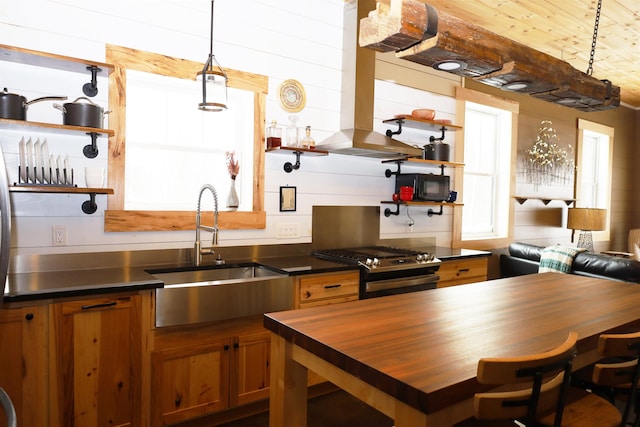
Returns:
(189, 381)
(23, 363)
(95, 341)
(253, 370)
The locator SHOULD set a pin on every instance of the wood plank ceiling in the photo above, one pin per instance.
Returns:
(564, 29)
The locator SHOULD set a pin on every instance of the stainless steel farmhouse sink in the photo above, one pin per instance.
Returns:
(213, 293)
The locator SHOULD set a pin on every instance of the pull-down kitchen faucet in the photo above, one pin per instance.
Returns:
(198, 250)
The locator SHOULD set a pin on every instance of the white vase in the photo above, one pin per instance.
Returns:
(232, 200)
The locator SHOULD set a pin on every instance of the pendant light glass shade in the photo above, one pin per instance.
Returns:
(214, 80)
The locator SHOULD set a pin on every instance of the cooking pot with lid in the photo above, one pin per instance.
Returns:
(14, 106)
(436, 151)
(82, 114)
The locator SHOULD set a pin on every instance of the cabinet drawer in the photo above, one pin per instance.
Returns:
(467, 270)
(339, 286)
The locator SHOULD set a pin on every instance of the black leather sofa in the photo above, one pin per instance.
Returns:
(524, 258)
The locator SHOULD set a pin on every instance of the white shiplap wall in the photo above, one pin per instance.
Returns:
(282, 39)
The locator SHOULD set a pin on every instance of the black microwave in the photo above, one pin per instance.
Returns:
(428, 187)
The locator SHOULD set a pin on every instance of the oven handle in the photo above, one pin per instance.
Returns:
(381, 285)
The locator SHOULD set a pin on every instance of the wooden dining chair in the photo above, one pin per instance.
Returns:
(534, 390)
(617, 374)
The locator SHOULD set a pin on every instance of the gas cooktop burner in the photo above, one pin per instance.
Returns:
(381, 258)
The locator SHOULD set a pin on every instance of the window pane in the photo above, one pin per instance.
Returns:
(478, 212)
(487, 172)
(173, 148)
(595, 170)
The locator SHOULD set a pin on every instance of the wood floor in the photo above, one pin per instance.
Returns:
(337, 409)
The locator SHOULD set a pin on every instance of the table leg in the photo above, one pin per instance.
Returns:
(288, 395)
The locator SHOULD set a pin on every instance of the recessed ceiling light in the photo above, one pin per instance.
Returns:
(518, 85)
(450, 65)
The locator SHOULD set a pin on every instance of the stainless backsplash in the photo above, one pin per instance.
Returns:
(345, 226)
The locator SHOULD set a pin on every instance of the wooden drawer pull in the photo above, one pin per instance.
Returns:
(333, 286)
(102, 305)
(464, 270)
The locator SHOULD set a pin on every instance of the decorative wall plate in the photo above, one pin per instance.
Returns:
(292, 96)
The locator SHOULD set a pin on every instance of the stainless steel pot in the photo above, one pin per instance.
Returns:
(14, 106)
(82, 114)
(436, 151)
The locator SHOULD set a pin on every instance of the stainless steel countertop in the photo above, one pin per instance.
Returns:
(93, 281)
(57, 284)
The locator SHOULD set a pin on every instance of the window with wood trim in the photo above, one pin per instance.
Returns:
(117, 216)
(489, 151)
(594, 166)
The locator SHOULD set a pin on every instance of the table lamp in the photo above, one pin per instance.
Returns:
(586, 220)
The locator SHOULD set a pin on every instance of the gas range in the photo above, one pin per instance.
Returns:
(381, 258)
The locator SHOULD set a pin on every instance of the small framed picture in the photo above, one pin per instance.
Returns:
(287, 199)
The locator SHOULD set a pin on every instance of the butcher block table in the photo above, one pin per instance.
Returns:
(414, 356)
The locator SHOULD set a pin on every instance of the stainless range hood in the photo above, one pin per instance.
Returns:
(357, 137)
(367, 143)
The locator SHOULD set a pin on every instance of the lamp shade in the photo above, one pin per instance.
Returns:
(587, 219)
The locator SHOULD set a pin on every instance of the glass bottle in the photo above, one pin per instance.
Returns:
(274, 135)
(293, 133)
(307, 141)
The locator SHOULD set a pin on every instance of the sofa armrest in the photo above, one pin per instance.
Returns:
(511, 266)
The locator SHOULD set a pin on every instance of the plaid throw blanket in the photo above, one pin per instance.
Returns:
(558, 258)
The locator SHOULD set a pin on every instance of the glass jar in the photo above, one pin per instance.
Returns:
(274, 135)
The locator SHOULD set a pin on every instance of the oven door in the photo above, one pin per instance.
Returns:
(373, 288)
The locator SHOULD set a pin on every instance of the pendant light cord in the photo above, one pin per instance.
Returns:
(211, 35)
(595, 37)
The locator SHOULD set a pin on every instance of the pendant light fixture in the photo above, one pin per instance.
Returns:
(214, 80)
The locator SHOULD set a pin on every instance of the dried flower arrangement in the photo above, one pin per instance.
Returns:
(233, 165)
(545, 161)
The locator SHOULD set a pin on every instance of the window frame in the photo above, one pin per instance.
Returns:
(116, 218)
(587, 126)
(462, 96)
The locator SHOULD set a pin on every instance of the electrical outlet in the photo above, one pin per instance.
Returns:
(288, 230)
(59, 235)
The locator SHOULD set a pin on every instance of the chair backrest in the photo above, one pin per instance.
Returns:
(623, 372)
(539, 384)
(634, 243)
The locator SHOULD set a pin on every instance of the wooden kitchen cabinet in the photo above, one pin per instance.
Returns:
(326, 288)
(97, 356)
(199, 370)
(462, 270)
(24, 334)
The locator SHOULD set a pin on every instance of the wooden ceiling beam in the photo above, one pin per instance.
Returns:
(419, 33)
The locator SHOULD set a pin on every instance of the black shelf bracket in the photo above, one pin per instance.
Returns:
(431, 212)
(288, 167)
(91, 89)
(434, 139)
(90, 206)
(388, 173)
(390, 133)
(91, 151)
(388, 212)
